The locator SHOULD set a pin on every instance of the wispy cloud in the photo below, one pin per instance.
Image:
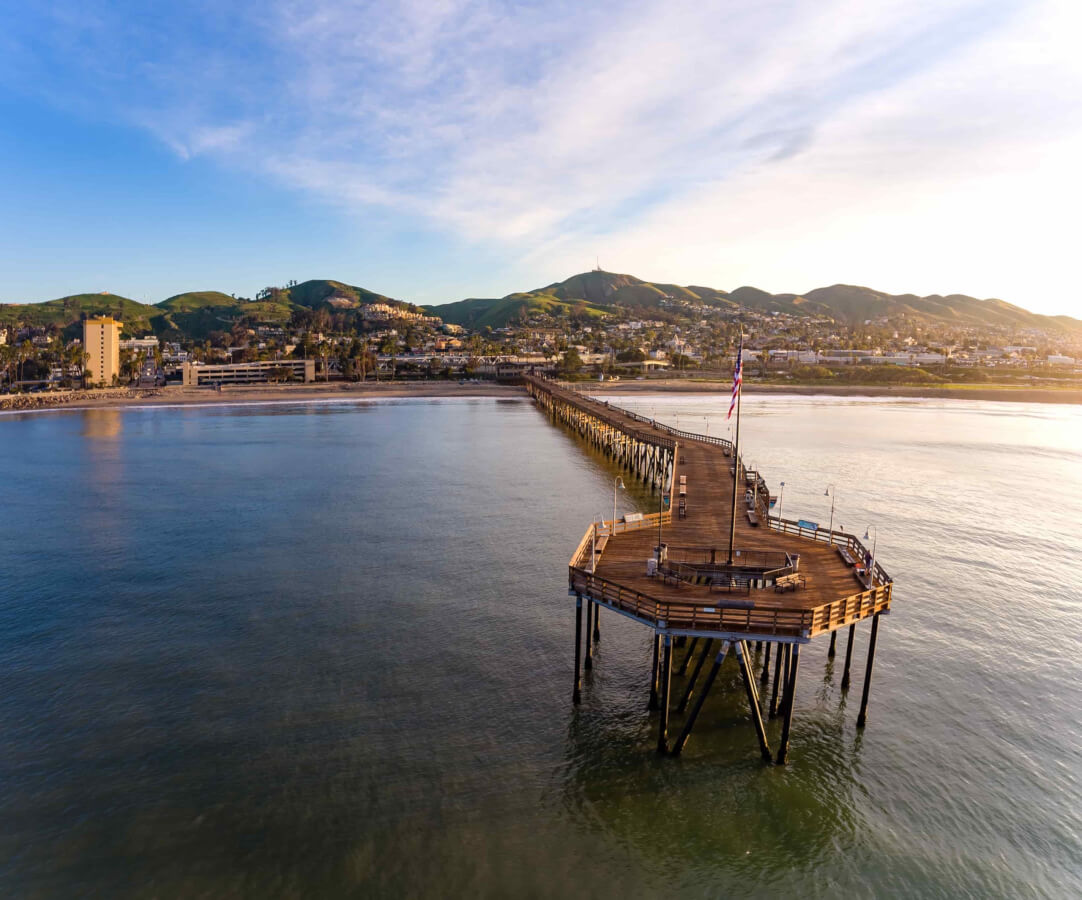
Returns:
(542, 125)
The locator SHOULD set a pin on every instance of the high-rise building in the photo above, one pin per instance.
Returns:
(101, 340)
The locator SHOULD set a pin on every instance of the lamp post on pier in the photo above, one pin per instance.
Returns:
(830, 492)
(871, 568)
(781, 500)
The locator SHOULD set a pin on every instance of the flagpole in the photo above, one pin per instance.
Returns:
(736, 446)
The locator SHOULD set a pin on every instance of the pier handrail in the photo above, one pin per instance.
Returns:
(840, 539)
(741, 616)
(597, 409)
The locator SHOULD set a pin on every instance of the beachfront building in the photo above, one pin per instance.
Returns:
(195, 374)
(143, 344)
(101, 341)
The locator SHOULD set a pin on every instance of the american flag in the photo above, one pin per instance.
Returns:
(738, 378)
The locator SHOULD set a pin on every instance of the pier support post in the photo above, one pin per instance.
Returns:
(654, 672)
(753, 699)
(765, 676)
(690, 688)
(576, 695)
(862, 718)
(848, 657)
(790, 702)
(773, 706)
(683, 670)
(833, 644)
(597, 623)
(588, 663)
(666, 680)
(685, 733)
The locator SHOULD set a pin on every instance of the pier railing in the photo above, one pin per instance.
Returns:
(762, 507)
(598, 409)
(743, 616)
(852, 544)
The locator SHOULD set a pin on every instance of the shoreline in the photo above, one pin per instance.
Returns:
(176, 396)
(989, 393)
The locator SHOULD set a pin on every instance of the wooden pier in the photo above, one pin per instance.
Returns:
(670, 571)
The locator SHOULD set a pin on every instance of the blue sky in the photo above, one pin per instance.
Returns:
(438, 149)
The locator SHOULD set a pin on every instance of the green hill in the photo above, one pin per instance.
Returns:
(608, 291)
(318, 292)
(498, 313)
(65, 310)
(196, 300)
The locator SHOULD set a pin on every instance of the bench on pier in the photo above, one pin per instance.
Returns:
(790, 582)
(753, 518)
(683, 508)
(683, 479)
(844, 554)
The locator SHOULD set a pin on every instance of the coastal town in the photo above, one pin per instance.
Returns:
(346, 341)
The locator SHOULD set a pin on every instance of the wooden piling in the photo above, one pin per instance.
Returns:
(589, 661)
(848, 657)
(666, 680)
(790, 702)
(576, 695)
(689, 689)
(685, 733)
(862, 718)
(683, 670)
(753, 699)
(655, 672)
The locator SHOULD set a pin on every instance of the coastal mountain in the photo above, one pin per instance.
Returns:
(194, 314)
(851, 304)
(589, 295)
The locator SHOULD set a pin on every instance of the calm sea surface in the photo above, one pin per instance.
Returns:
(325, 650)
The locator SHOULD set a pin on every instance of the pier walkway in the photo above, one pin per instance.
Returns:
(786, 583)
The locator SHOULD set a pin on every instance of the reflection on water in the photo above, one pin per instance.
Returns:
(326, 650)
(102, 424)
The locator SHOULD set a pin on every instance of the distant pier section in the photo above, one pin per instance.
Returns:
(760, 598)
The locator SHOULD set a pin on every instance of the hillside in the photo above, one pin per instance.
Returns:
(65, 310)
(846, 303)
(499, 312)
(194, 314)
(318, 292)
(196, 300)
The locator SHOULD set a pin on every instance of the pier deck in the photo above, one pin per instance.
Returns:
(832, 596)
(787, 582)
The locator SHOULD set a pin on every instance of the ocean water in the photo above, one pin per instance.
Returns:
(325, 649)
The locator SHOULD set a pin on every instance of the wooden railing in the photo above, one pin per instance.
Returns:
(850, 542)
(599, 411)
(743, 616)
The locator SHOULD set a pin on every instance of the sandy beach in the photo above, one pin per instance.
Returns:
(266, 393)
(262, 393)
